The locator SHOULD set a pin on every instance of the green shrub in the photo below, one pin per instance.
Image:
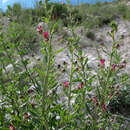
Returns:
(14, 11)
(24, 34)
(121, 103)
(77, 17)
(59, 10)
(27, 16)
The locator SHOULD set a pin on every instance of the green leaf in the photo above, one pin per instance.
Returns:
(86, 60)
(114, 26)
(90, 89)
(77, 80)
(75, 91)
(59, 50)
(98, 91)
(46, 20)
(0, 71)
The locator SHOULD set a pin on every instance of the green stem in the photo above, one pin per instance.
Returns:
(70, 87)
(110, 65)
(85, 81)
(45, 84)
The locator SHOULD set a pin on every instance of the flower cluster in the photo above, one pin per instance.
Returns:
(45, 34)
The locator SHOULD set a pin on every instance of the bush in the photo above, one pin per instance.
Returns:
(59, 10)
(76, 16)
(26, 16)
(121, 103)
(101, 14)
(24, 34)
(14, 11)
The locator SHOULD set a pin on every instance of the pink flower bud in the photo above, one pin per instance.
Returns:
(117, 92)
(11, 127)
(66, 84)
(95, 100)
(103, 106)
(117, 46)
(39, 29)
(110, 96)
(77, 69)
(46, 35)
(114, 67)
(102, 62)
(54, 17)
(123, 64)
(80, 85)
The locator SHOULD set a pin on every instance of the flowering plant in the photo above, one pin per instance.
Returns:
(31, 97)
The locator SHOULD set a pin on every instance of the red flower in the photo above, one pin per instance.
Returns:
(114, 67)
(80, 85)
(103, 106)
(22, 96)
(11, 127)
(117, 46)
(33, 105)
(117, 92)
(54, 17)
(95, 100)
(39, 29)
(102, 62)
(26, 116)
(66, 84)
(123, 64)
(77, 69)
(46, 35)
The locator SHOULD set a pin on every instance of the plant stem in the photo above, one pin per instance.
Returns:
(110, 65)
(70, 87)
(45, 84)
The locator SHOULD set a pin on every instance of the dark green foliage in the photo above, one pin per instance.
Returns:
(24, 34)
(90, 16)
(16, 10)
(59, 10)
(27, 16)
(121, 103)
(77, 17)
(124, 11)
